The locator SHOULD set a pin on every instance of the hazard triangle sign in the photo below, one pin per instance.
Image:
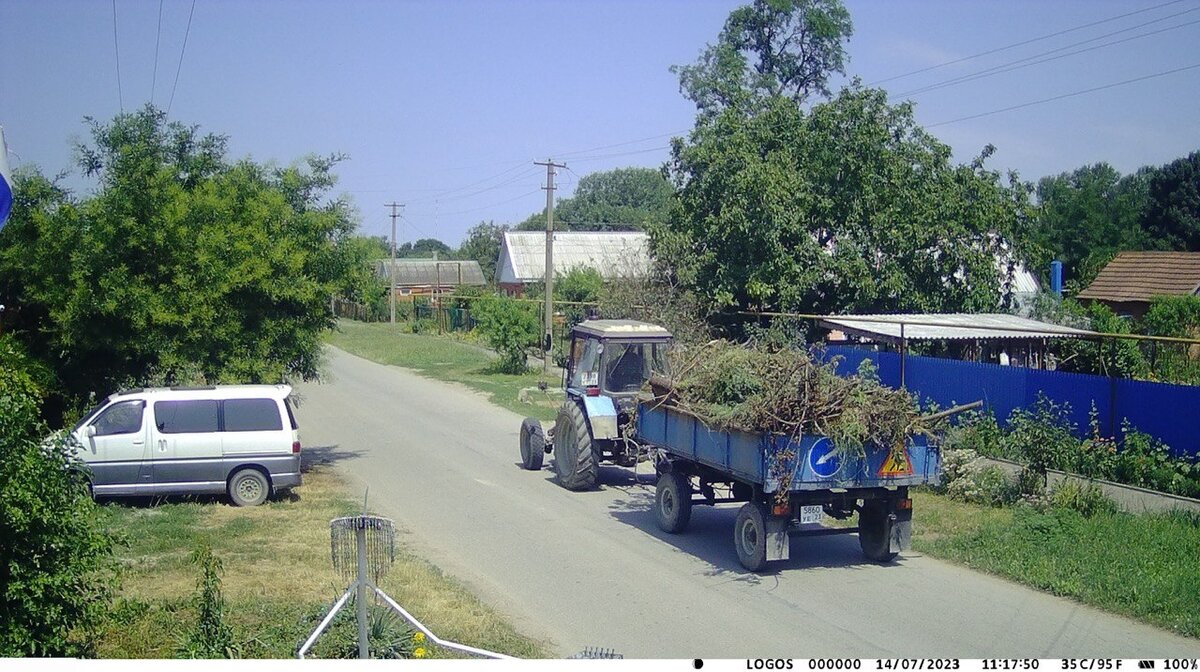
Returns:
(897, 464)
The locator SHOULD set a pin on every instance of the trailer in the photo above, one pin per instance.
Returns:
(786, 484)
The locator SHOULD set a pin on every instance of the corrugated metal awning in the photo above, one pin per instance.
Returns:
(949, 326)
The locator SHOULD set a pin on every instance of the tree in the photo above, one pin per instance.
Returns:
(483, 244)
(1172, 219)
(615, 200)
(182, 267)
(425, 247)
(769, 49)
(1087, 216)
(849, 207)
(510, 327)
(56, 568)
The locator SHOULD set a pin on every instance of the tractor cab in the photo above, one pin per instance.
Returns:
(608, 364)
(614, 358)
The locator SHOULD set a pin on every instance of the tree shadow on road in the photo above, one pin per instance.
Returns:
(709, 537)
(318, 456)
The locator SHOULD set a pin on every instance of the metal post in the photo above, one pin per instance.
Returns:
(903, 354)
(360, 536)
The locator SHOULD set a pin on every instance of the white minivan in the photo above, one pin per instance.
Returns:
(237, 439)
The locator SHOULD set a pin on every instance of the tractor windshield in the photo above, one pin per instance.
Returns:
(585, 363)
(627, 366)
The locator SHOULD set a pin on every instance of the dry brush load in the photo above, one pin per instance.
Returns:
(787, 391)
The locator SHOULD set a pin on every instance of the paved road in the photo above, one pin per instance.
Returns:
(591, 569)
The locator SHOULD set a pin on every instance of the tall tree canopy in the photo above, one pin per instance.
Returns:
(619, 199)
(483, 244)
(181, 267)
(849, 207)
(1172, 219)
(424, 247)
(769, 49)
(1087, 216)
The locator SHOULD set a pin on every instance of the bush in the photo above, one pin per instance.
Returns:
(212, 636)
(510, 328)
(389, 636)
(57, 574)
(1086, 498)
(983, 484)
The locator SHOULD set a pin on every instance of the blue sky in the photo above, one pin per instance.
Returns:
(444, 105)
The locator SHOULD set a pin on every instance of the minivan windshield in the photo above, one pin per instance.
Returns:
(88, 416)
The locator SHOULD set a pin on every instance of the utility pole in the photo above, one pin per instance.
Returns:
(392, 270)
(548, 344)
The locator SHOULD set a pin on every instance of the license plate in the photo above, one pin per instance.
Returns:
(811, 514)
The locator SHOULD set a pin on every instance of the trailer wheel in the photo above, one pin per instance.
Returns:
(875, 531)
(673, 502)
(533, 444)
(574, 459)
(750, 535)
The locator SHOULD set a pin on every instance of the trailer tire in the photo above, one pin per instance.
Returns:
(533, 444)
(750, 536)
(574, 458)
(875, 531)
(673, 502)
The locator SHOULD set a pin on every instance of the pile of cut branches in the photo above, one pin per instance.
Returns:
(787, 392)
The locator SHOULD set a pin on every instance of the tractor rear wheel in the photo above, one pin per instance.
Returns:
(574, 459)
(533, 444)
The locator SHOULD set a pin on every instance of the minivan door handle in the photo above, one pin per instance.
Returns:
(139, 443)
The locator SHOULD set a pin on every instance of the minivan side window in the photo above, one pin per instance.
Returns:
(123, 417)
(252, 415)
(186, 417)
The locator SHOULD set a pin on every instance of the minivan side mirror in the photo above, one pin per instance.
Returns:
(91, 431)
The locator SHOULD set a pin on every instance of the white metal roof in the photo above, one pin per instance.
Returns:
(949, 326)
(613, 253)
(622, 328)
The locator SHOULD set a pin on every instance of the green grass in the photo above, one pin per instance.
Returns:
(278, 580)
(444, 358)
(1143, 566)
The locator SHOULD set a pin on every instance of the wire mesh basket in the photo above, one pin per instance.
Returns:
(380, 549)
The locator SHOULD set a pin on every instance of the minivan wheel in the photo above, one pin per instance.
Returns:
(249, 487)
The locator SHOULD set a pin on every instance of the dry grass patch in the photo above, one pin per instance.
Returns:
(278, 579)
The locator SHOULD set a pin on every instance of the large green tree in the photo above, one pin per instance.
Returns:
(424, 248)
(611, 200)
(181, 267)
(848, 207)
(769, 49)
(1172, 219)
(56, 568)
(483, 244)
(1087, 216)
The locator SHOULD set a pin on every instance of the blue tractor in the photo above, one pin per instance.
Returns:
(609, 362)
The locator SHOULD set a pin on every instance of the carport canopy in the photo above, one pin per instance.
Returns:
(948, 327)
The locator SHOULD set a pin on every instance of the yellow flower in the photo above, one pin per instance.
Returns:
(418, 637)
(420, 652)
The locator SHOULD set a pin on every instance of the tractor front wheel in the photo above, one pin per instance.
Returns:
(533, 444)
(574, 459)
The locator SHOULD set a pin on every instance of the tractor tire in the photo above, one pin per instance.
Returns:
(875, 531)
(750, 536)
(673, 502)
(533, 444)
(574, 458)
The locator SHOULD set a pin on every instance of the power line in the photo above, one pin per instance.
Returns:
(1029, 60)
(1023, 42)
(117, 51)
(1066, 95)
(528, 172)
(182, 51)
(157, 40)
(492, 205)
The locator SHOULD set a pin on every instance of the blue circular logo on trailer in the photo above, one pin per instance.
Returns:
(823, 459)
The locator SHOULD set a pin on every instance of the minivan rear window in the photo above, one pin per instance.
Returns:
(252, 415)
(186, 417)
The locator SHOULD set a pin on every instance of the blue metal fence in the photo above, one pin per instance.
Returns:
(1170, 413)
